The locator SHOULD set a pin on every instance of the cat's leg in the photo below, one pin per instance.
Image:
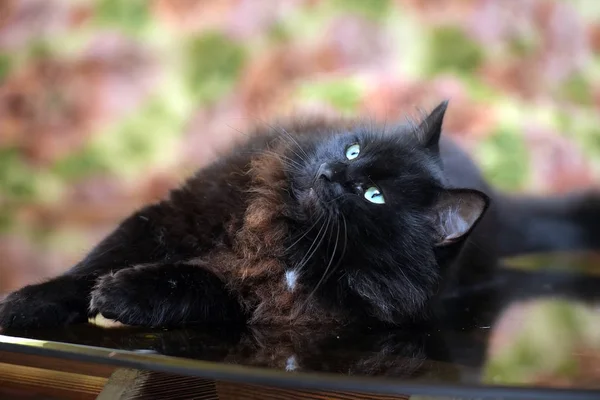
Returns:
(145, 237)
(59, 301)
(159, 295)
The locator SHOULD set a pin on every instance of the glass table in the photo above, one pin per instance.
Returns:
(531, 332)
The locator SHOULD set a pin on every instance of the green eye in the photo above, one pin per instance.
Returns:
(353, 151)
(373, 195)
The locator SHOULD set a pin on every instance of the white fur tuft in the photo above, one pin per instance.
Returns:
(291, 277)
(291, 364)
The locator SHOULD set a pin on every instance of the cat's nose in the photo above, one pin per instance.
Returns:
(331, 172)
(325, 172)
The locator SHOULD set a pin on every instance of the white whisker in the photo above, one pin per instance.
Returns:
(337, 238)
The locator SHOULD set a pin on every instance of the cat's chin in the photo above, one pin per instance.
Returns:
(323, 198)
(310, 199)
(320, 197)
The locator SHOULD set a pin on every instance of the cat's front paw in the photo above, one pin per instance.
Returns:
(49, 304)
(126, 297)
(163, 295)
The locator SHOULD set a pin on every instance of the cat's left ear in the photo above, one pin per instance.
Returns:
(456, 213)
(430, 128)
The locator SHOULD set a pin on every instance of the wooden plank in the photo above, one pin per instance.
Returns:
(238, 391)
(57, 384)
(129, 384)
(121, 382)
(57, 364)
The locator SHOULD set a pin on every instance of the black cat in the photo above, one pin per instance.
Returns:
(321, 221)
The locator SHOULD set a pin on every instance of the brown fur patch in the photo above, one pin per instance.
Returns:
(254, 271)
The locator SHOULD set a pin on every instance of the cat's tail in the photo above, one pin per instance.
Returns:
(534, 224)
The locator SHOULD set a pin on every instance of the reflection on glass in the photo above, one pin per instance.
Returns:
(537, 326)
(546, 342)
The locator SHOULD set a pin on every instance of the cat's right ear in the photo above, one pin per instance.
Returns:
(430, 129)
(456, 213)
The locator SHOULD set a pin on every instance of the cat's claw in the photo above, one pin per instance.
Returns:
(119, 297)
(103, 322)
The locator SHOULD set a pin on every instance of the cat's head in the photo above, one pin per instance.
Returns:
(377, 213)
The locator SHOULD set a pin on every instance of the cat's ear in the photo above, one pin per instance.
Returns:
(456, 213)
(430, 128)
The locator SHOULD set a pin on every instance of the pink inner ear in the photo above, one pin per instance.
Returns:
(457, 211)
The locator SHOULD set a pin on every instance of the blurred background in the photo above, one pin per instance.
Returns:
(106, 104)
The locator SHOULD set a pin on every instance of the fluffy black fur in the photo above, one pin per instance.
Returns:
(279, 231)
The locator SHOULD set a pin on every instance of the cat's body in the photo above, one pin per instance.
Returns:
(309, 223)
